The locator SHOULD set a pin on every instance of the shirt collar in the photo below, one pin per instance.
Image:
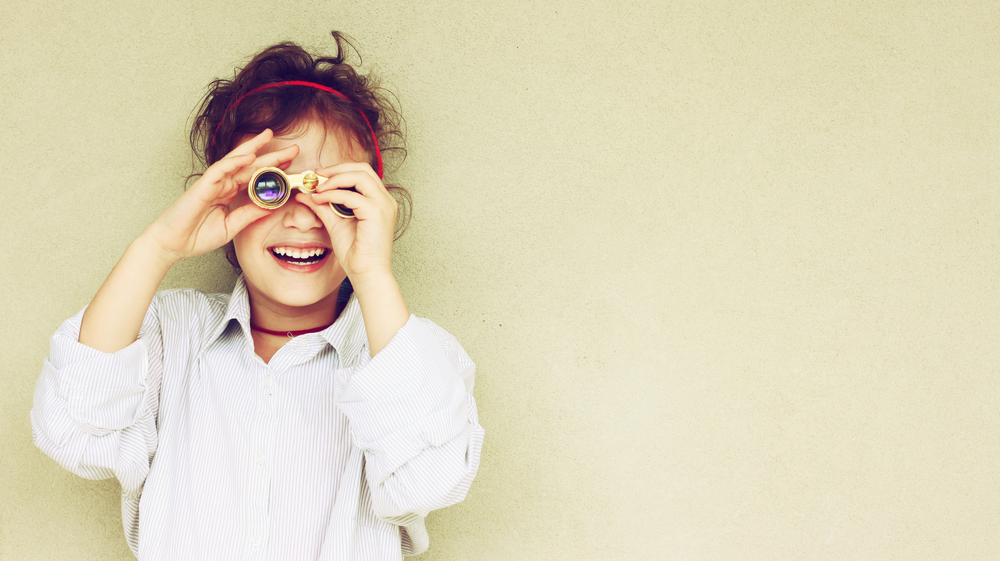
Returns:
(347, 334)
(238, 309)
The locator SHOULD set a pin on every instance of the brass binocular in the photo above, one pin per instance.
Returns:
(271, 187)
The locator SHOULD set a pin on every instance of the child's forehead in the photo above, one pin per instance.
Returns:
(319, 137)
(320, 143)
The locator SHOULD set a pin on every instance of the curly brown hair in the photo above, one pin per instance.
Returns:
(218, 126)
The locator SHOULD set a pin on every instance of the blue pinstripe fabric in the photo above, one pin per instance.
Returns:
(323, 453)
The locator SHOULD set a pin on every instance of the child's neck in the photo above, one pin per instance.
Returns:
(307, 321)
(273, 316)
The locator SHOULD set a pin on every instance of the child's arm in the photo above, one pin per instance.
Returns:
(114, 316)
(382, 307)
(363, 244)
(96, 400)
(197, 222)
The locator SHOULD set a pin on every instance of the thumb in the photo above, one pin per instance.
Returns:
(242, 217)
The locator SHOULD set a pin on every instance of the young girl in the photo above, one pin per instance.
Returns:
(307, 415)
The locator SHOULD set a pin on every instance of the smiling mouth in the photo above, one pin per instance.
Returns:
(296, 256)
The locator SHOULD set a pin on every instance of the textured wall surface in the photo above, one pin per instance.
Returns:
(729, 269)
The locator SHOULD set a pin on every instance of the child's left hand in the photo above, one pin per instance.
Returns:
(363, 244)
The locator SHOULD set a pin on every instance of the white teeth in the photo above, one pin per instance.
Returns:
(296, 253)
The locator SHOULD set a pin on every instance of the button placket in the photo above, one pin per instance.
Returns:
(262, 439)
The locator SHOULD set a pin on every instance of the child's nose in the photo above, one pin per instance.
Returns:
(300, 216)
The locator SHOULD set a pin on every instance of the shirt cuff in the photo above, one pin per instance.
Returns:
(103, 391)
(408, 398)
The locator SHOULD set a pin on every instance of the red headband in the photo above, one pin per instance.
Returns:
(378, 152)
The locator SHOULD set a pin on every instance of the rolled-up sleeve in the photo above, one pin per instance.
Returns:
(95, 412)
(412, 412)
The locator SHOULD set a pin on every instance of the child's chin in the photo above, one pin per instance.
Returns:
(302, 298)
(298, 295)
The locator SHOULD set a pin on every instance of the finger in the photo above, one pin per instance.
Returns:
(365, 184)
(226, 167)
(273, 159)
(349, 166)
(278, 158)
(241, 217)
(227, 196)
(240, 157)
(213, 188)
(251, 146)
(354, 201)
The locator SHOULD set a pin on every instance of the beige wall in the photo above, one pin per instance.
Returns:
(729, 270)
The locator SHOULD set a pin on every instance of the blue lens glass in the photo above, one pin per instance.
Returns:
(270, 187)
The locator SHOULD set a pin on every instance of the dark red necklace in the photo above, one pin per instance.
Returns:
(289, 334)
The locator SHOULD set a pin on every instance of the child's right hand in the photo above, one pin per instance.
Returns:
(201, 220)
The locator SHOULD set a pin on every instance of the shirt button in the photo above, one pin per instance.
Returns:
(256, 542)
(301, 343)
(268, 381)
(261, 459)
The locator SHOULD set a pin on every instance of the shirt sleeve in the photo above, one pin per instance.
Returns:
(95, 412)
(412, 412)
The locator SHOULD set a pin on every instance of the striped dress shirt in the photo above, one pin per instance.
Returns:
(322, 453)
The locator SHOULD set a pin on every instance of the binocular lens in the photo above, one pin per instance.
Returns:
(270, 187)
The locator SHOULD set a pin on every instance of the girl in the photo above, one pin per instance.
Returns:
(307, 415)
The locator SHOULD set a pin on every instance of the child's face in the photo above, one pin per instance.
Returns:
(286, 257)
